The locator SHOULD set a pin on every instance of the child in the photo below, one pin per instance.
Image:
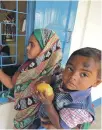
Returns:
(44, 56)
(72, 101)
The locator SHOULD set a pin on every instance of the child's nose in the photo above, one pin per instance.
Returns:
(74, 76)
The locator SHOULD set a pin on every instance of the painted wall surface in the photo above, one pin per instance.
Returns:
(7, 114)
(87, 32)
(60, 17)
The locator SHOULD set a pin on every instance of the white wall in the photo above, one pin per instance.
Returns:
(87, 31)
(7, 114)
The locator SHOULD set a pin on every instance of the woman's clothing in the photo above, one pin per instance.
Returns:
(32, 71)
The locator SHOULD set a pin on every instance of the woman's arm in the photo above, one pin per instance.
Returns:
(5, 79)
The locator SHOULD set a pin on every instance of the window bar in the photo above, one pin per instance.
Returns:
(7, 23)
(15, 35)
(16, 30)
(13, 10)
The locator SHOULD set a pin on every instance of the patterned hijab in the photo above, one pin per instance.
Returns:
(30, 72)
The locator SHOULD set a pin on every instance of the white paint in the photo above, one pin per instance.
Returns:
(87, 31)
(7, 114)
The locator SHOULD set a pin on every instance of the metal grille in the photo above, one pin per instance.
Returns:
(9, 32)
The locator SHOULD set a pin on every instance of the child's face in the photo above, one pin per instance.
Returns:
(80, 73)
(33, 48)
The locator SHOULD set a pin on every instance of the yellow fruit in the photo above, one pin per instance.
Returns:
(44, 87)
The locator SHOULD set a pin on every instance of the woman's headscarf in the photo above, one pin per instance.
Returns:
(31, 71)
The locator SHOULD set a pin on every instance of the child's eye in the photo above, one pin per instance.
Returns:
(84, 75)
(69, 69)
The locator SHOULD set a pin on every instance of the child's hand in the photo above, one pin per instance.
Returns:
(44, 98)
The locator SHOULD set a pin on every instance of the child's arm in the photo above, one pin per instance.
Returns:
(52, 113)
(5, 79)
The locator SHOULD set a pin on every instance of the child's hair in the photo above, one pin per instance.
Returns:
(90, 52)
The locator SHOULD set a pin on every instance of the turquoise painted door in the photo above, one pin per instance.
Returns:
(59, 16)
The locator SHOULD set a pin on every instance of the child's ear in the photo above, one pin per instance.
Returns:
(97, 82)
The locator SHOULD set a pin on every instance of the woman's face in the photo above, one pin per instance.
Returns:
(33, 48)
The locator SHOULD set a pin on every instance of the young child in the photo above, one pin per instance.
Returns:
(72, 106)
(44, 56)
